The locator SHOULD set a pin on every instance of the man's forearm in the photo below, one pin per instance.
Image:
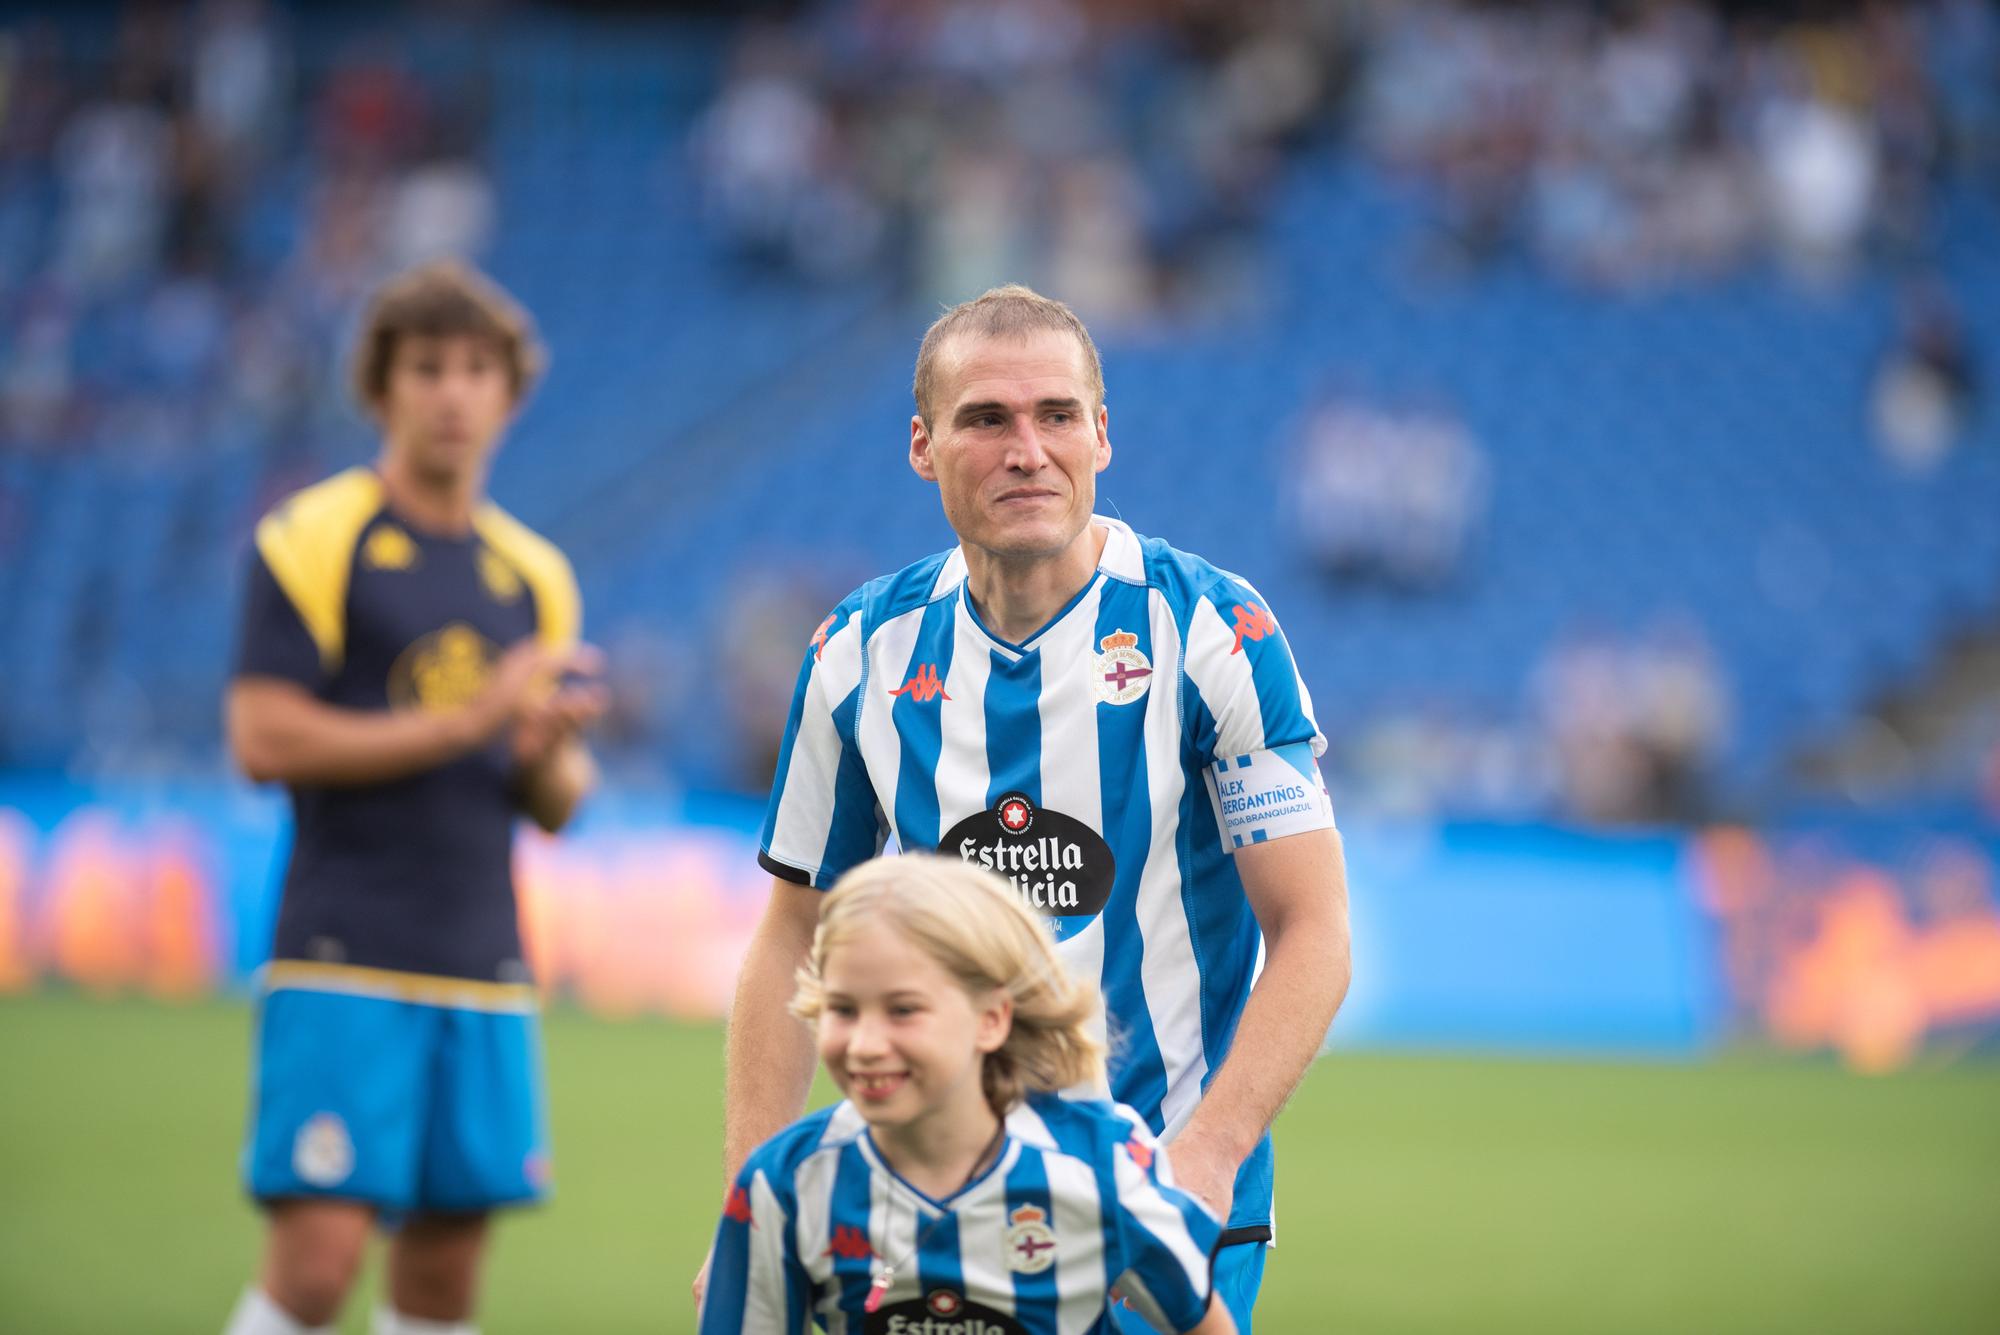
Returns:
(281, 736)
(770, 1053)
(1306, 971)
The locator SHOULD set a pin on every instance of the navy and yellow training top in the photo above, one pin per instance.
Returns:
(403, 888)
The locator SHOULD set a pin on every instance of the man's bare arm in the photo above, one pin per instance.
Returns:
(769, 1056)
(770, 1053)
(279, 732)
(1297, 887)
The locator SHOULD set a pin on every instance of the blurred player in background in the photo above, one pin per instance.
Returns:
(1116, 725)
(954, 1184)
(409, 669)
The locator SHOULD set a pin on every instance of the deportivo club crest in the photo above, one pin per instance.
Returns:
(322, 1154)
(1031, 1247)
(1121, 673)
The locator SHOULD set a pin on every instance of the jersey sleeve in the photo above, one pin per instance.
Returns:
(1167, 1238)
(755, 1283)
(272, 639)
(1252, 720)
(823, 816)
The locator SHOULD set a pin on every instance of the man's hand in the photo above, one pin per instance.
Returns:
(541, 726)
(1205, 1168)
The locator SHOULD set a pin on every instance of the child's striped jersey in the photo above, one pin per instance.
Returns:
(1080, 1199)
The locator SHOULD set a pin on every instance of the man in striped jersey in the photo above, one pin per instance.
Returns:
(1115, 725)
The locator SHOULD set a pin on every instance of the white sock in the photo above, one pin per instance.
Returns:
(256, 1314)
(388, 1321)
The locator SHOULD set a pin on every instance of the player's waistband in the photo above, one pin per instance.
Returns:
(425, 989)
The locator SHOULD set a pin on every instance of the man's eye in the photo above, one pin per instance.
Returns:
(905, 1010)
(842, 1009)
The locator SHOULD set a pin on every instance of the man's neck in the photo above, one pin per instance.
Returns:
(432, 505)
(1017, 597)
(940, 1156)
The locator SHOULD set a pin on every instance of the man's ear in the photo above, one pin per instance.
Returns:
(920, 449)
(1103, 454)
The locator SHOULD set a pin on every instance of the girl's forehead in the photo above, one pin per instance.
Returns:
(879, 957)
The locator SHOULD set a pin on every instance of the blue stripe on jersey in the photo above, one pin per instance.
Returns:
(1028, 1185)
(854, 834)
(883, 600)
(848, 1208)
(920, 726)
(1138, 1074)
(728, 1278)
(1014, 750)
(939, 1265)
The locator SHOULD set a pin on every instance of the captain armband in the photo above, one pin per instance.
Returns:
(1268, 795)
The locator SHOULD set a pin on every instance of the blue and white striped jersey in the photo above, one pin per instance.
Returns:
(1110, 766)
(1080, 1199)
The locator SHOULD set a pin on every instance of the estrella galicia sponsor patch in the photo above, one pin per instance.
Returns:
(941, 1312)
(1061, 866)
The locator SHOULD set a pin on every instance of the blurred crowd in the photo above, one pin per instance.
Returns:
(1617, 728)
(1628, 145)
(1113, 151)
(1118, 152)
(1386, 493)
(189, 215)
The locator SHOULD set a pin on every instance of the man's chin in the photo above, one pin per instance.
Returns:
(1030, 542)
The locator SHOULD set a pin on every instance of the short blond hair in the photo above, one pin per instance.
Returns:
(443, 299)
(973, 924)
(1012, 311)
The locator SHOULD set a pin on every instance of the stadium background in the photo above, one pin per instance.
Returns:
(1601, 393)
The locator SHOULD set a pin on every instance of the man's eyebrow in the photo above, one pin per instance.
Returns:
(965, 410)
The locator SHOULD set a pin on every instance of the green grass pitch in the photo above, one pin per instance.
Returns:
(1415, 1193)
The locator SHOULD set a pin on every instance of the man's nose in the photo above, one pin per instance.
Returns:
(1026, 451)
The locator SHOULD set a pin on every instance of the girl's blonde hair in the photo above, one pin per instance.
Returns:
(973, 924)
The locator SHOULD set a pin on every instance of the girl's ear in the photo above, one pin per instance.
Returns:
(995, 1020)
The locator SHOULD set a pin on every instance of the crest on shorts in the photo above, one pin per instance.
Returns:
(322, 1153)
(1120, 674)
(1031, 1246)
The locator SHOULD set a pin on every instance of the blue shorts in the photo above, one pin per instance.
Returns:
(403, 1105)
(1239, 1273)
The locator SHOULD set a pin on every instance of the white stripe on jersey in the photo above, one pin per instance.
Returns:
(963, 753)
(1080, 1269)
(764, 1308)
(889, 666)
(1225, 682)
(1163, 925)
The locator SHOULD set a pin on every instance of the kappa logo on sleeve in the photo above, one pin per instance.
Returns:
(1252, 623)
(818, 640)
(738, 1206)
